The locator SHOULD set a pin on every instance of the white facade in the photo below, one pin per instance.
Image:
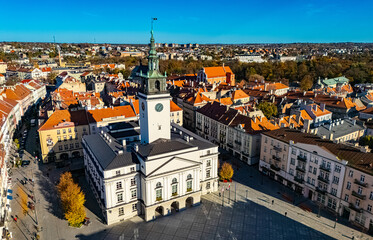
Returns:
(154, 117)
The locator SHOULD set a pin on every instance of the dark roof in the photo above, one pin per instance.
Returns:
(108, 153)
(162, 146)
(213, 110)
(123, 125)
(124, 134)
(356, 159)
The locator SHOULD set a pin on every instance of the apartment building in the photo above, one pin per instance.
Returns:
(233, 131)
(357, 193)
(310, 165)
(61, 135)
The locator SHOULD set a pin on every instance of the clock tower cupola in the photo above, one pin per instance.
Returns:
(154, 100)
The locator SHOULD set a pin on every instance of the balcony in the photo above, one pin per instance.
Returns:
(363, 184)
(299, 179)
(302, 169)
(158, 199)
(276, 158)
(274, 167)
(189, 189)
(278, 149)
(324, 168)
(358, 195)
(355, 208)
(323, 179)
(320, 190)
(302, 158)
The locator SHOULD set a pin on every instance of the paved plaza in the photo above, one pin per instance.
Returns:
(249, 214)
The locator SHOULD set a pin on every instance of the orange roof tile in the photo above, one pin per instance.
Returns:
(60, 117)
(174, 107)
(212, 72)
(239, 94)
(98, 115)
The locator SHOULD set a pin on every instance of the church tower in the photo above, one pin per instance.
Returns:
(154, 100)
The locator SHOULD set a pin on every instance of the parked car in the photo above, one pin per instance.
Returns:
(25, 163)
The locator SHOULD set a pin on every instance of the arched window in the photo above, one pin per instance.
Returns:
(158, 185)
(189, 176)
(157, 85)
(174, 180)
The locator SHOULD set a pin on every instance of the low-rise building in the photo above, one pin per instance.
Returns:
(212, 75)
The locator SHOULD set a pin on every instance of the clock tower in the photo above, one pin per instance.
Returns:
(154, 100)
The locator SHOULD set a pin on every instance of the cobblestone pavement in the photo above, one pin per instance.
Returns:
(249, 214)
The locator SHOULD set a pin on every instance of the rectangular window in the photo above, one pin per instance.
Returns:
(59, 138)
(133, 193)
(66, 146)
(64, 131)
(132, 169)
(291, 172)
(293, 151)
(348, 187)
(369, 208)
(117, 172)
(133, 181)
(360, 190)
(69, 130)
(362, 178)
(334, 192)
(64, 138)
(314, 170)
(119, 197)
(134, 207)
(357, 202)
(313, 182)
(119, 185)
(371, 196)
(77, 145)
(121, 211)
(292, 161)
(337, 168)
(71, 146)
(335, 180)
(346, 197)
(208, 185)
(60, 147)
(208, 172)
(58, 132)
(208, 163)
(310, 170)
(71, 137)
(351, 173)
(316, 160)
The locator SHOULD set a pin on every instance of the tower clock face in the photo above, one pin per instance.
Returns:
(143, 106)
(159, 107)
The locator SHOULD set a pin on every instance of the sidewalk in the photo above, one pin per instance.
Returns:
(262, 190)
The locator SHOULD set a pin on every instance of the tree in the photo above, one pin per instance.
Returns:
(366, 141)
(23, 200)
(268, 109)
(306, 83)
(16, 142)
(12, 80)
(226, 171)
(72, 200)
(52, 77)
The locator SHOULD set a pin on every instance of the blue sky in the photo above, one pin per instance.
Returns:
(118, 21)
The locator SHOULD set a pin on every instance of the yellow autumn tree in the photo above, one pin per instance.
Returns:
(226, 171)
(23, 200)
(72, 200)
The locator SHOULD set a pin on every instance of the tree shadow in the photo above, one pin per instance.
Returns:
(210, 220)
(251, 177)
(49, 191)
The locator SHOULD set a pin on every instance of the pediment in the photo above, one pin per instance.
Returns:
(174, 164)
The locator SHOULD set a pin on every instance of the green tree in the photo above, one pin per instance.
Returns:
(366, 141)
(72, 200)
(226, 171)
(268, 109)
(306, 83)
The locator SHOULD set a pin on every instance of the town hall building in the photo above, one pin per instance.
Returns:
(157, 169)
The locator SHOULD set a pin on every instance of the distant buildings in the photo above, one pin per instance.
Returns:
(210, 75)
